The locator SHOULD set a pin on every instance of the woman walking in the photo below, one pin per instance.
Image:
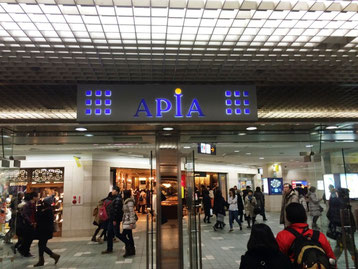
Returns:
(250, 203)
(314, 207)
(44, 231)
(129, 223)
(207, 205)
(219, 210)
(233, 209)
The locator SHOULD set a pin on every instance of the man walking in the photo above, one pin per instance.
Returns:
(289, 196)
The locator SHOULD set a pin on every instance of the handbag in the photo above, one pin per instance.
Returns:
(220, 217)
(257, 210)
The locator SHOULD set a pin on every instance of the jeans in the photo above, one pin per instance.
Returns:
(127, 237)
(113, 230)
(233, 215)
(43, 247)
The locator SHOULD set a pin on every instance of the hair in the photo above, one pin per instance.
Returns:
(20, 195)
(218, 193)
(248, 187)
(250, 191)
(34, 194)
(262, 237)
(127, 194)
(27, 197)
(258, 189)
(313, 189)
(296, 213)
(289, 185)
(300, 191)
(205, 192)
(232, 191)
(116, 188)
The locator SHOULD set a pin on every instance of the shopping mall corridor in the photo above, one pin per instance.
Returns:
(221, 249)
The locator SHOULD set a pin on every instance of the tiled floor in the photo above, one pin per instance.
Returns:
(220, 249)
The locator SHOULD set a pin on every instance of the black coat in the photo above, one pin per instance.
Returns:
(219, 205)
(240, 203)
(44, 223)
(272, 259)
(116, 209)
(207, 203)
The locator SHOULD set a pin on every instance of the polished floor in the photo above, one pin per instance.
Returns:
(220, 249)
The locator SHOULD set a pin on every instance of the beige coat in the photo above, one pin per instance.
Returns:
(129, 216)
(287, 199)
(250, 206)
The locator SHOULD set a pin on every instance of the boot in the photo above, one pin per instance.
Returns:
(55, 256)
(41, 262)
(130, 251)
(133, 250)
(127, 253)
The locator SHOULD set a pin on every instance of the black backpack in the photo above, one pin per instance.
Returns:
(308, 252)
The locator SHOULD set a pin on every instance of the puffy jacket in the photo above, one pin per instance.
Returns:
(128, 214)
(286, 238)
(219, 205)
(116, 209)
(250, 206)
(314, 204)
(287, 199)
(260, 257)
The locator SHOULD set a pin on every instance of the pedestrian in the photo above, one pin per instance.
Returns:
(263, 251)
(260, 199)
(288, 196)
(15, 201)
(20, 223)
(219, 210)
(206, 205)
(129, 223)
(302, 198)
(250, 204)
(245, 192)
(211, 195)
(142, 201)
(115, 215)
(44, 230)
(100, 220)
(240, 204)
(233, 210)
(29, 223)
(315, 208)
(292, 239)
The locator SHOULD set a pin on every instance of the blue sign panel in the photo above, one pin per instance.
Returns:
(275, 186)
(166, 103)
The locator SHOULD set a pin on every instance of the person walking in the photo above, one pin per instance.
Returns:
(115, 210)
(314, 208)
(142, 201)
(250, 204)
(15, 201)
(260, 198)
(233, 210)
(44, 231)
(129, 223)
(206, 205)
(100, 220)
(263, 251)
(219, 210)
(240, 204)
(289, 196)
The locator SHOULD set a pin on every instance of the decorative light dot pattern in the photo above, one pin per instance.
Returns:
(240, 101)
(98, 102)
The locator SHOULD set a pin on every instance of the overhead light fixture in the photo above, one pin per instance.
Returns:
(252, 128)
(89, 135)
(237, 151)
(309, 146)
(81, 129)
(248, 153)
(332, 127)
(187, 147)
(261, 158)
(241, 133)
(168, 129)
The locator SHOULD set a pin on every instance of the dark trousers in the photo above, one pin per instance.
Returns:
(127, 237)
(113, 230)
(143, 209)
(241, 214)
(26, 242)
(233, 215)
(43, 247)
(103, 226)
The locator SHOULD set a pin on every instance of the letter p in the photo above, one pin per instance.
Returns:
(163, 106)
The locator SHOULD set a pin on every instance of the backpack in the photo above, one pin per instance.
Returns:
(103, 215)
(308, 252)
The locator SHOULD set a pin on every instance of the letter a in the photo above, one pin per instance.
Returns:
(195, 108)
(143, 107)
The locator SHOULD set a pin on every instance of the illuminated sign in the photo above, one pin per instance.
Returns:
(166, 103)
(208, 149)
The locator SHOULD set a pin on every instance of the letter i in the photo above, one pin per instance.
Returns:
(178, 111)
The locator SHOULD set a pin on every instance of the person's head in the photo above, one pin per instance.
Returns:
(205, 192)
(296, 213)
(218, 193)
(331, 188)
(312, 189)
(235, 187)
(258, 189)
(115, 190)
(287, 188)
(250, 193)
(262, 237)
(27, 197)
(232, 192)
(127, 194)
(34, 196)
(248, 187)
(20, 195)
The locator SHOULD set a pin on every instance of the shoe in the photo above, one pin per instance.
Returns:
(240, 227)
(93, 239)
(248, 227)
(56, 257)
(107, 252)
(13, 248)
(209, 222)
(204, 220)
(130, 251)
(214, 228)
(28, 255)
(41, 262)
(224, 225)
(265, 219)
(231, 230)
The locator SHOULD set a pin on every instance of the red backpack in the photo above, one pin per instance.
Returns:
(103, 215)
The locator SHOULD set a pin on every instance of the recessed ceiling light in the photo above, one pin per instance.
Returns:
(6, 136)
(252, 128)
(261, 158)
(89, 135)
(248, 153)
(168, 129)
(309, 146)
(332, 127)
(236, 150)
(187, 147)
(81, 129)
(241, 133)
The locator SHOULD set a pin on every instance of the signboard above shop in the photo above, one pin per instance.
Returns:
(166, 103)
(205, 148)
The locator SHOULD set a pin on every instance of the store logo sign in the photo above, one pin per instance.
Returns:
(164, 105)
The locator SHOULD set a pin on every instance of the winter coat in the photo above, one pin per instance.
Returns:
(302, 201)
(260, 199)
(95, 213)
(313, 204)
(129, 214)
(240, 203)
(259, 257)
(286, 238)
(334, 213)
(232, 203)
(207, 204)
(219, 205)
(249, 206)
(287, 199)
(143, 197)
(44, 227)
(116, 209)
